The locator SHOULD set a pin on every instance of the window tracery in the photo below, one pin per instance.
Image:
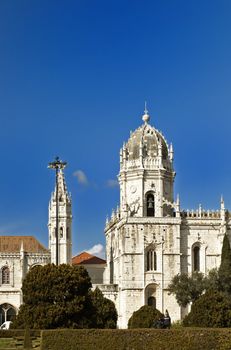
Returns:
(5, 275)
(151, 260)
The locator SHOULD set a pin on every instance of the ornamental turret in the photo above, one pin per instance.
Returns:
(64, 222)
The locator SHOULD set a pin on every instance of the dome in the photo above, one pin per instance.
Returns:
(150, 139)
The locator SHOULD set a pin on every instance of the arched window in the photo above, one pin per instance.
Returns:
(7, 313)
(151, 260)
(150, 204)
(5, 275)
(152, 301)
(196, 258)
(11, 314)
(150, 295)
(35, 265)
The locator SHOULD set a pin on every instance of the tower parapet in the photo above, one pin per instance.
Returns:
(201, 213)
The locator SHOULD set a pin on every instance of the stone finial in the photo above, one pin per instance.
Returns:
(222, 203)
(171, 153)
(145, 116)
(121, 155)
(22, 253)
(178, 206)
(222, 210)
(22, 247)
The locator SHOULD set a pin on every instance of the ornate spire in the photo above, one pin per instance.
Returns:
(171, 153)
(60, 218)
(146, 116)
(222, 203)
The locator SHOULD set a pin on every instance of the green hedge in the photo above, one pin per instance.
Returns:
(14, 333)
(136, 339)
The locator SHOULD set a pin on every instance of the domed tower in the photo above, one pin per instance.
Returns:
(146, 173)
(143, 234)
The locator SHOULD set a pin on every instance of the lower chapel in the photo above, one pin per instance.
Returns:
(149, 239)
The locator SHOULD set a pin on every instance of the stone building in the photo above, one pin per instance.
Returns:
(18, 254)
(94, 265)
(149, 239)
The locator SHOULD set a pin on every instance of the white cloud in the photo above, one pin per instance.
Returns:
(98, 250)
(81, 177)
(112, 183)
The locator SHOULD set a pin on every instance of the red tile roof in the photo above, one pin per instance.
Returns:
(86, 258)
(12, 244)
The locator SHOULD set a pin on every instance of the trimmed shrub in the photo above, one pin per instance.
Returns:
(145, 317)
(136, 339)
(213, 309)
(14, 333)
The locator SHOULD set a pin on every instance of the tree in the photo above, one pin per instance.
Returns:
(145, 317)
(27, 343)
(105, 315)
(224, 272)
(213, 312)
(212, 281)
(55, 296)
(212, 309)
(187, 288)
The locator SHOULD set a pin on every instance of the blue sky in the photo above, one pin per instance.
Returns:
(74, 76)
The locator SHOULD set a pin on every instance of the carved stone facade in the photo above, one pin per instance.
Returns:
(148, 238)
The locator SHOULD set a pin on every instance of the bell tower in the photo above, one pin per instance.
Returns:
(146, 174)
(60, 211)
